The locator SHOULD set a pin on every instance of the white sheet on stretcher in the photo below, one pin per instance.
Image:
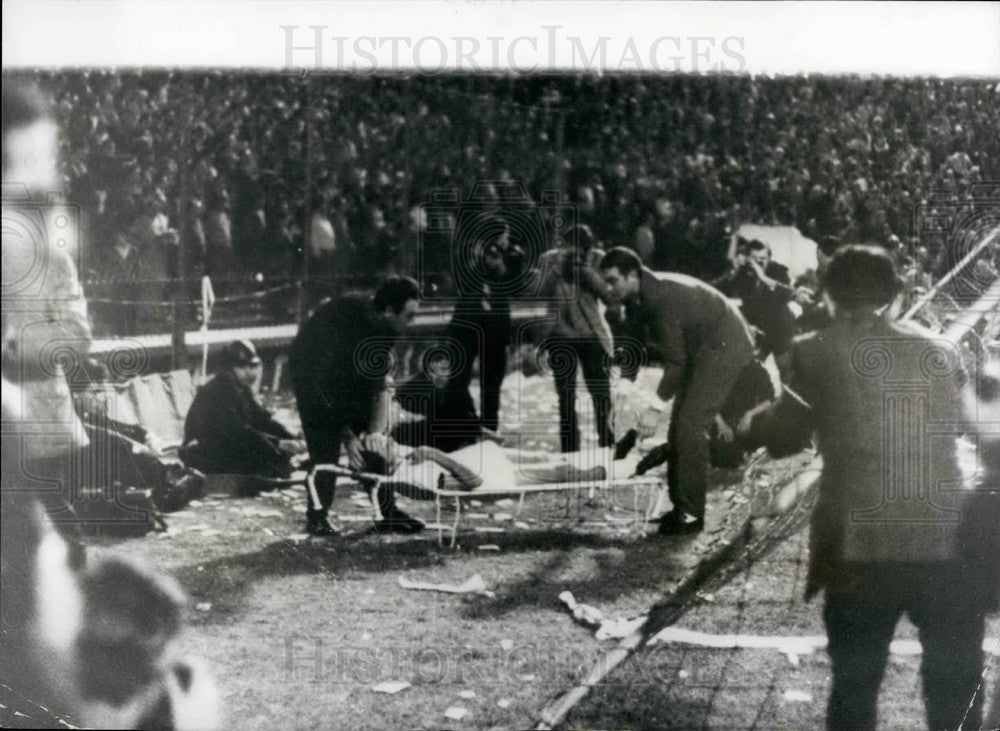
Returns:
(504, 469)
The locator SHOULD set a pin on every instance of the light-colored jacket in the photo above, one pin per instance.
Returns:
(46, 337)
(576, 306)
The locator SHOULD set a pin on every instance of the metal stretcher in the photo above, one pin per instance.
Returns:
(373, 481)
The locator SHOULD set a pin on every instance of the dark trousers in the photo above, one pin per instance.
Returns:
(704, 388)
(860, 628)
(593, 361)
(492, 369)
(324, 443)
(245, 453)
(324, 448)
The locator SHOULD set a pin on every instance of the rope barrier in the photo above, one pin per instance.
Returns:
(166, 303)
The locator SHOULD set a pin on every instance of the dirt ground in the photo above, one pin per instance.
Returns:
(300, 631)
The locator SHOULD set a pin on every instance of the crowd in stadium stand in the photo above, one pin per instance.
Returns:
(255, 172)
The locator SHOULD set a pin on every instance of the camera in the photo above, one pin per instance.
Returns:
(37, 229)
(461, 233)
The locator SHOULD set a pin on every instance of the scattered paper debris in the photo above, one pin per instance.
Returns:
(489, 547)
(436, 526)
(456, 713)
(798, 696)
(607, 629)
(683, 674)
(505, 503)
(504, 703)
(583, 613)
(467, 694)
(507, 645)
(391, 687)
(203, 606)
(476, 503)
(489, 529)
(366, 636)
(473, 585)
(793, 658)
(617, 629)
(502, 516)
(298, 537)
(521, 524)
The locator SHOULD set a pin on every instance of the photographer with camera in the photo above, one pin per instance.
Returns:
(481, 323)
(570, 278)
(764, 288)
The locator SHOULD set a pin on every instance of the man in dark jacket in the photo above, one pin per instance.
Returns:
(228, 432)
(339, 363)
(764, 288)
(481, 325)
(448, 415)
(888, 528)
(705, 344)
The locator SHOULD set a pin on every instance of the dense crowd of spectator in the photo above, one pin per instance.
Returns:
(287, 174)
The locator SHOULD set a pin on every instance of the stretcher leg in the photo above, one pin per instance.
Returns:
(454, 526)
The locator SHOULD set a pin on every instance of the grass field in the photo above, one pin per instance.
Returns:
(300, 630)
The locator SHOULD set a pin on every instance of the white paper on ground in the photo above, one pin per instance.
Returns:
(456, 713)
(798, 696)
(473, 585)
(787, 645)
(391, 687)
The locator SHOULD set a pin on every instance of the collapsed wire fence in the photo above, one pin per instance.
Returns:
(975, 324)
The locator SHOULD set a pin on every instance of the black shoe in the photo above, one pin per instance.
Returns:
(320, 527)
(676, 524)
(396, 521)
(625, 444)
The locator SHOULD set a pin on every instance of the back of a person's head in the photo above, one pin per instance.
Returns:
(29, 157)
(23, 105)
(861, 278)
(582, 238)
(395, 292)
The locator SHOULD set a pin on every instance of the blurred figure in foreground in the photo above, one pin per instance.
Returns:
(78, 648)
(890, 529)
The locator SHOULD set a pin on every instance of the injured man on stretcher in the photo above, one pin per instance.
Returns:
(420, 471)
